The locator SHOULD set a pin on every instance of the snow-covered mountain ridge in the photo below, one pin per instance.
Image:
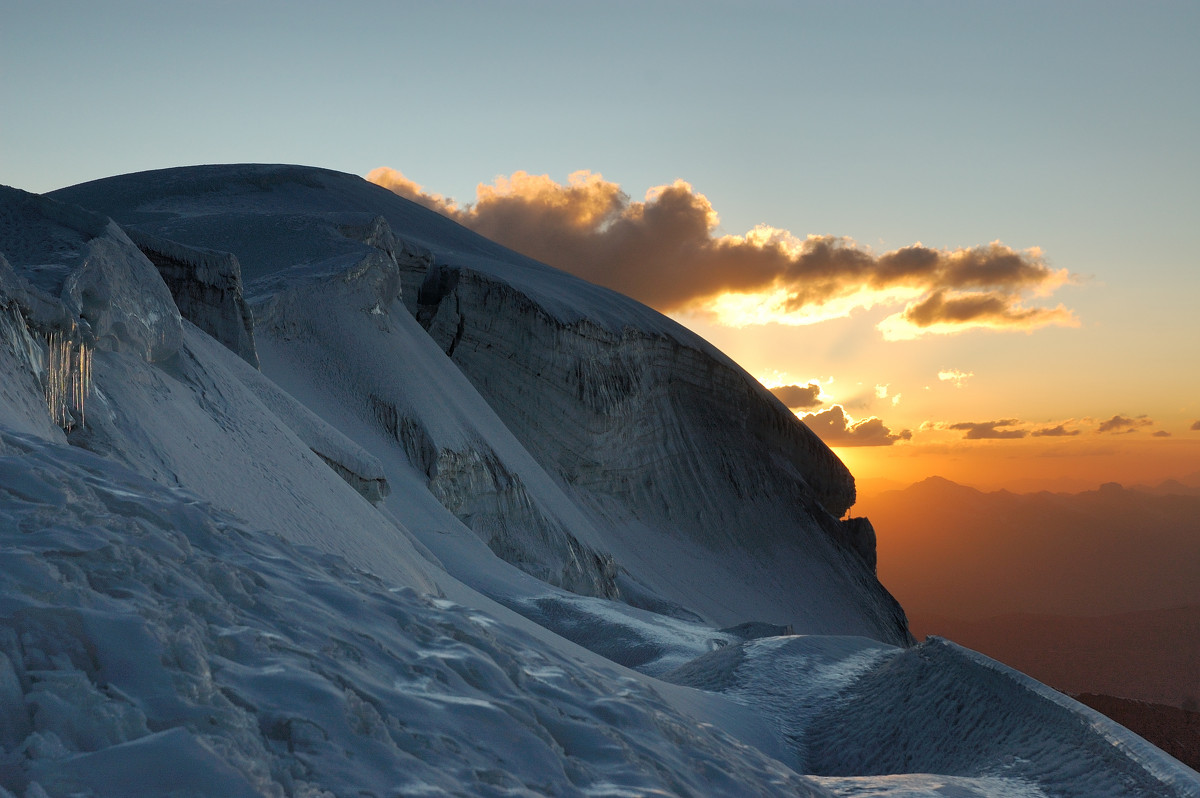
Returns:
(471, 527)
(637, 429)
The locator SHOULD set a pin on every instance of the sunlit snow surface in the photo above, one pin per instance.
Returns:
(286, 583)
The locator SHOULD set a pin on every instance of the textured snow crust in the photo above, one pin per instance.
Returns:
(151, 645)
(351, 574)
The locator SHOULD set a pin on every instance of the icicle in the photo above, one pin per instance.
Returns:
(68, 379)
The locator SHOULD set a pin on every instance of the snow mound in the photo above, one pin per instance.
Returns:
(939, 708)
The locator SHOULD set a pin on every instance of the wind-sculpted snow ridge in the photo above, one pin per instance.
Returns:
(151, 645)
(598, 433)
(934, 719)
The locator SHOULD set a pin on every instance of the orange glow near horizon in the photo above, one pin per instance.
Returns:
(1026, 465)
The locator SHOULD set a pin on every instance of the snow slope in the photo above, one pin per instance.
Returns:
(594, 432)
(362, 571)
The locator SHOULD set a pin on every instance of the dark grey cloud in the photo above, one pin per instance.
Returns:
(1122, 424)
(983, 430)
(836, 429)
(1058, 431)
(998, 309)
(798, 396)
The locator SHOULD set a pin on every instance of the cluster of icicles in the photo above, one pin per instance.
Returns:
(68, 380)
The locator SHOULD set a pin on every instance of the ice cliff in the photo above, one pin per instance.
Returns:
(470, 527)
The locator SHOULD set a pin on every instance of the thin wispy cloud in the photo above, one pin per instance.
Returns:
(664, 251)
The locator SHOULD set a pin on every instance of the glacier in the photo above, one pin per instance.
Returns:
(362, 503)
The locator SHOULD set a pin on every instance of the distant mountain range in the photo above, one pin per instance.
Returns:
(950, 550)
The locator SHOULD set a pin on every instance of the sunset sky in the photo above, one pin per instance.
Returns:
(966, 235)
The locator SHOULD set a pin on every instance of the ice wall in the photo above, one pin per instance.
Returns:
(648, 431)
(207, 288)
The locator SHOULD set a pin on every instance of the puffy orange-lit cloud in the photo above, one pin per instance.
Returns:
(397, 183)
(835, 428)
(983, 430)
(1123, 424)
(665, 252)
(798, 396)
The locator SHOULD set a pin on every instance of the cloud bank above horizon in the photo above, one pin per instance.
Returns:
(665, 252)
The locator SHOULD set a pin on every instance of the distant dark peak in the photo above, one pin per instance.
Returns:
(941, 485)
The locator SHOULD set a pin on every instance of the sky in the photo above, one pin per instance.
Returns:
(960, 237)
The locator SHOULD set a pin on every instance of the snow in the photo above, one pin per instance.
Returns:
(144, 625)
(640, 453)
(381, 567)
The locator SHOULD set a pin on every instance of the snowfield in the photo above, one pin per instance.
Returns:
(307, 491)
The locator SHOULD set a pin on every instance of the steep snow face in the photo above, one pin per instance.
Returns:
(628, 398)
(661, 440)
(610, 432)
(346, 344)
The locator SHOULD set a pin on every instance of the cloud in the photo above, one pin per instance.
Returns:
(802, 396)
(835, 428)
(1121, 424)
(1195, 426)
(664, 251)
(955, 376)
(397, 183)
(1059, 431)
(981, 430)
(1162, 433)
(943, 312)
